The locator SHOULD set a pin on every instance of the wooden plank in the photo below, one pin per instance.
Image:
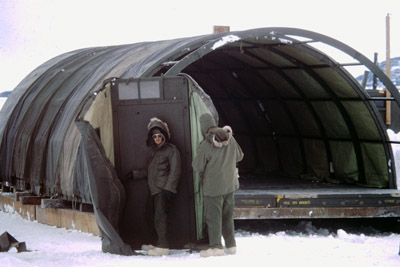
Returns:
(9, 204)
(315, 212)
(84, 207)
(5, 189)
(18, 195)
(49, 203)
(82, 221)
(48, 216)
(69, 219)
(30, 200)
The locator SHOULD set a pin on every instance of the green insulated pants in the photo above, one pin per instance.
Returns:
(160, 220)
(219, 220)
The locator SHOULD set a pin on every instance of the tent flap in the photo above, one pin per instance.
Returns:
(106, 191)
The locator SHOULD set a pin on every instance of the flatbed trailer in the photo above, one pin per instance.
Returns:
(296, 199)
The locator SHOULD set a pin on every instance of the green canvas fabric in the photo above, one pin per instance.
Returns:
(344, 162)
(375, 163)
(200, 103)
(363, 121)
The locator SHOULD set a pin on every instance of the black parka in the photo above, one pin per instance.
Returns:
(163, 162)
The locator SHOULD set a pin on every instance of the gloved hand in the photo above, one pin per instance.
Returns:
(167, 194)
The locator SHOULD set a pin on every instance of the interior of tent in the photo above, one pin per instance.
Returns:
(301, 120)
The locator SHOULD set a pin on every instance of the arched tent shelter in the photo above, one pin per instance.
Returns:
(297, 114)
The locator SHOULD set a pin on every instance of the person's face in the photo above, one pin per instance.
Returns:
(158, 138)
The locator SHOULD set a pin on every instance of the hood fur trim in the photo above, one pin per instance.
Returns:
(156, 122)
(218, 144)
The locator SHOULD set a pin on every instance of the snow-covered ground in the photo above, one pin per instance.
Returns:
(50, 246)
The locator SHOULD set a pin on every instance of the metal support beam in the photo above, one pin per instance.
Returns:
(315, 212)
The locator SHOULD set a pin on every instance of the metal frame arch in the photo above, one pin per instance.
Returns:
(182, 51)
(349, 51)
(289, 34)
(282, 32)
(374, 113)
(349, 123)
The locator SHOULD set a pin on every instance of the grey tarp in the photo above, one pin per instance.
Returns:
(106, 190)
(39, 139)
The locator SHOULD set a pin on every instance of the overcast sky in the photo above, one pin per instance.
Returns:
(33, 31)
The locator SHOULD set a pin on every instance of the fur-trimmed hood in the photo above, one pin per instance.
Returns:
(221, 136)
(158, 125)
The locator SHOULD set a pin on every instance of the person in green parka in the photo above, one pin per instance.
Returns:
(216, 160)
(163, 173)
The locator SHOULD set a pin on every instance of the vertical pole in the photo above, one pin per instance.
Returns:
(374, 78)
(365, 79)
(388, 107)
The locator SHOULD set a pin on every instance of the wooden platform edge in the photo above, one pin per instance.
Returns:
(315, 212)
(62, 218)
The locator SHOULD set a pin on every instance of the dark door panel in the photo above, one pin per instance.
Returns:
(131, 114)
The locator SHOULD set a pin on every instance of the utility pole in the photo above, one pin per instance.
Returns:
(388, 107)
(374, 78)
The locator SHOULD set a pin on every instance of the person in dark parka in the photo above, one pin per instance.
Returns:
(163, 173)
(216, 161)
